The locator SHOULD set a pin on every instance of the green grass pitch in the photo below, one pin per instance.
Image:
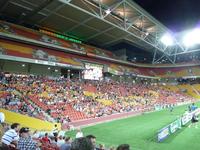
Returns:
(140, 132)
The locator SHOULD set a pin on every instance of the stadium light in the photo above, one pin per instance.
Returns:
(167, 40)
(147, 33)
(108, 11)
(192, 38)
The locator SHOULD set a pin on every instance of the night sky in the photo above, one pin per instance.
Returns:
(177, 15)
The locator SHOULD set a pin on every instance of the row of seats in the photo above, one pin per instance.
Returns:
(70, 100)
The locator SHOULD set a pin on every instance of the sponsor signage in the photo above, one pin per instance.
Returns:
(186, 118)
(163, 133)
(174, 126)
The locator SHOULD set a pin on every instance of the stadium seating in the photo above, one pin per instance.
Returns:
(44, 36)
(27, 51)
(56, 99)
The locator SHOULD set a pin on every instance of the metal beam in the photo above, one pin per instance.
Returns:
(163, 55)
(99, 33)
(157, 23)
(186, 52)
(116, 5)
(50, 13)
(83, 1)
(106, 21)
(133, 22)
(32, 13)
(78, 25)
(115, 40)
(126, 23)
(25, 7)
(21, 6)
(95, 29)
(170, 59)
(155, 61)
(154, 56)
(175, 55)
(139, 9)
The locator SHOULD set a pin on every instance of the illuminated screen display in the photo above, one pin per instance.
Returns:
(60, 36)
(93, 72)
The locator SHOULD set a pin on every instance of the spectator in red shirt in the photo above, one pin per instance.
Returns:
(45, 139)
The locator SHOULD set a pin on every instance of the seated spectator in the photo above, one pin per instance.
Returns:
(194, 121)
(11, 137)
(53, 140)
(67, 144)
(47, 98)
(92, 139)
(123, 147)
(61, 140)
(25, 141)
(82, 143)
(195, 118)
(112, 148)
(101, 147)
(45, 139)
(79, 133)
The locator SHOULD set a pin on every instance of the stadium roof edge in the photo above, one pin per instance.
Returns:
(148, 15)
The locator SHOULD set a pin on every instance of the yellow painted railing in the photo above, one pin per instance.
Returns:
(26, 121)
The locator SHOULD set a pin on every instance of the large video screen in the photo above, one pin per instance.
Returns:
(93, 71)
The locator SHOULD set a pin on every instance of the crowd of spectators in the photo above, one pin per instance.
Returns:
(22, 138)
(12, 97)
(43, 97)
(54, 99)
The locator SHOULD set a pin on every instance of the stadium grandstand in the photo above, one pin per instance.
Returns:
(95, 75)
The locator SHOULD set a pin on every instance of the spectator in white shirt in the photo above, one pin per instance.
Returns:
(10, 137)
(79, 133)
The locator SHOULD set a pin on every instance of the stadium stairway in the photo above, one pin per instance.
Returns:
(173, 88)
(182, 73)
(90, 88)
(43, 114)
(191, 91)
(196, 71)
(195, 88)
(69, 110)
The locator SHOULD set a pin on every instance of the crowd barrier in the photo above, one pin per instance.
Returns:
(26, 121)
(176, 125)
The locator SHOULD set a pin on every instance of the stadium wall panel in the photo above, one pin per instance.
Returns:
(25, 121)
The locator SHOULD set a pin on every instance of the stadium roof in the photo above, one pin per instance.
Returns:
(99, 22)
(178, 15)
